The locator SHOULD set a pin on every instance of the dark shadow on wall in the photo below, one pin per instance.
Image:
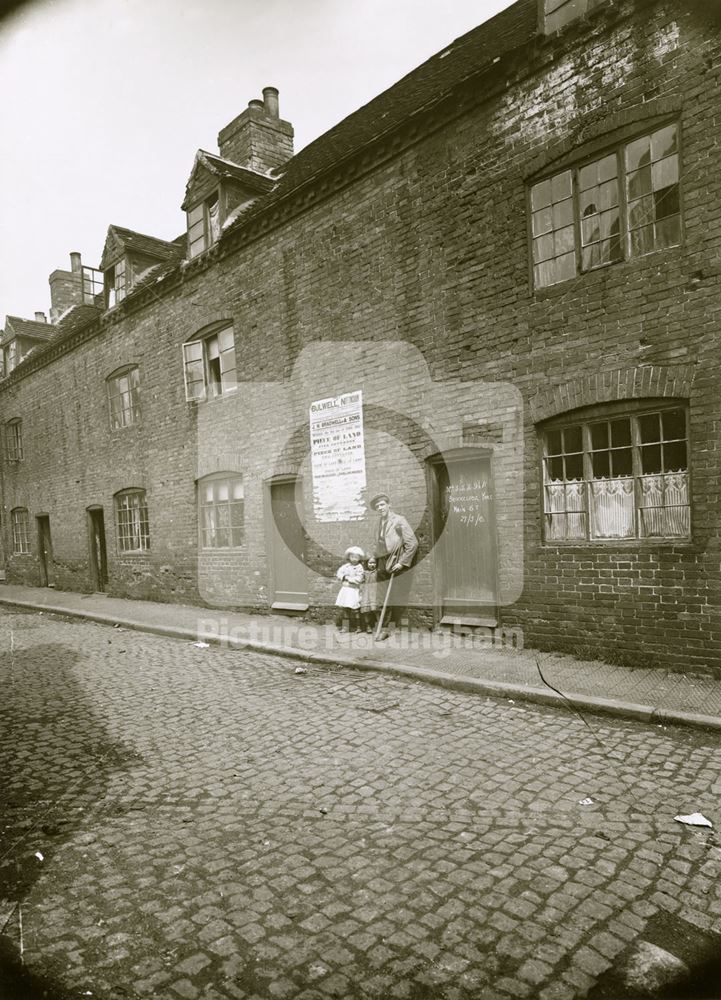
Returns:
(55, 761)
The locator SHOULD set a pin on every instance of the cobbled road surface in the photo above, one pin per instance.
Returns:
(192, 823)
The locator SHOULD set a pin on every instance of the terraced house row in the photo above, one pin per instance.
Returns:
(504, 271)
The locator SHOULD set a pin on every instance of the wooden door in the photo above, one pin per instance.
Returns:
(98, 552)
(45, 552)
(465, 549)
(289, 576)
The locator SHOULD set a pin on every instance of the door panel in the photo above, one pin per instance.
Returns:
(465, 549)
(287, 548)
(45, 552)
(98, 552)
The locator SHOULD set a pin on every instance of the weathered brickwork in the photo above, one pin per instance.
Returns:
(415, 256)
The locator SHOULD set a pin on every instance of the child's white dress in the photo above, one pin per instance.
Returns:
(352, 578)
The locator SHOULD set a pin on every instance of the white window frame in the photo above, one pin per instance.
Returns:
(209, 365)
(221, 511)
(204, 224)
(132, 526)
(14, 440)
(124, 399)
(116, 282)
(21, 531)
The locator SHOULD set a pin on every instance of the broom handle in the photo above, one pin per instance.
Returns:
(379, 626)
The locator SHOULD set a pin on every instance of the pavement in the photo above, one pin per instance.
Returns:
(494, 667)
(184, 822)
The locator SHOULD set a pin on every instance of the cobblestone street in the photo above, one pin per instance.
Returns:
(184, 822)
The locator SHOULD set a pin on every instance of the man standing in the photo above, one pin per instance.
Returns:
(396, 547)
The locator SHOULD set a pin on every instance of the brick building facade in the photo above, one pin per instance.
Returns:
(514, 254)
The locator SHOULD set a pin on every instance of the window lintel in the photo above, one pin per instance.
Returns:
(616, 407)
(210, 330)
(122, 370)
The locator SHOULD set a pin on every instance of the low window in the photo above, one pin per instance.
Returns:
(131, 515)
(123, 398)
(203, 225)
(209, 365)
(620, 205)
(115, 283)
(19, 518)
(14, 440)
(221, 511)
(623, 476)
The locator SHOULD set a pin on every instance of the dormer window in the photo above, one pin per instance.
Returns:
(115, 288)
(203, 225)
(556, 14)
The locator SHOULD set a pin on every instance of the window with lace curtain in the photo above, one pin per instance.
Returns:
(617, 475)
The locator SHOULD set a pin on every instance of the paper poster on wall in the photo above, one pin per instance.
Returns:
(338, 457)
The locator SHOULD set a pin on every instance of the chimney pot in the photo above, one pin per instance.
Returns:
(270, 99)
(75, 262)
(256, 104)
(40, 317)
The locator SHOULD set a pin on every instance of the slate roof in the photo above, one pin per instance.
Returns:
(27, 328)
(423, 87)
(75, 318)
(139, 243)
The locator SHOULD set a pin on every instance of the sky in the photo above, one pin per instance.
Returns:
(105, 103)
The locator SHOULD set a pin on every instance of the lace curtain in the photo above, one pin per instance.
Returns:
(663, 505)
(565, 510)
(612, 508)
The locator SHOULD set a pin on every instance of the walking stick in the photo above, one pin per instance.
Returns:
(379, 626)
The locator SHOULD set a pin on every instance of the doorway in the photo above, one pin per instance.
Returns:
(286, 545)
(98, 552)
(45, 551)
(465, 540)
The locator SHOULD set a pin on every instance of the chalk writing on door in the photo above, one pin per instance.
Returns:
(467, 500)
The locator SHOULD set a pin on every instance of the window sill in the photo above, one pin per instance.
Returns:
(221, 549)
(620, 543)
(213, 399)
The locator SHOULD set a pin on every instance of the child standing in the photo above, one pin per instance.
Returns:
(369, 595)
(351, 576)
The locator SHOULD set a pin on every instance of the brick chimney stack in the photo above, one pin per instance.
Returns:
(258, 138)
(66, 288)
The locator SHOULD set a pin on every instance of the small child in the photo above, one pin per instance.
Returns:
(369, 595)
(348, 601)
